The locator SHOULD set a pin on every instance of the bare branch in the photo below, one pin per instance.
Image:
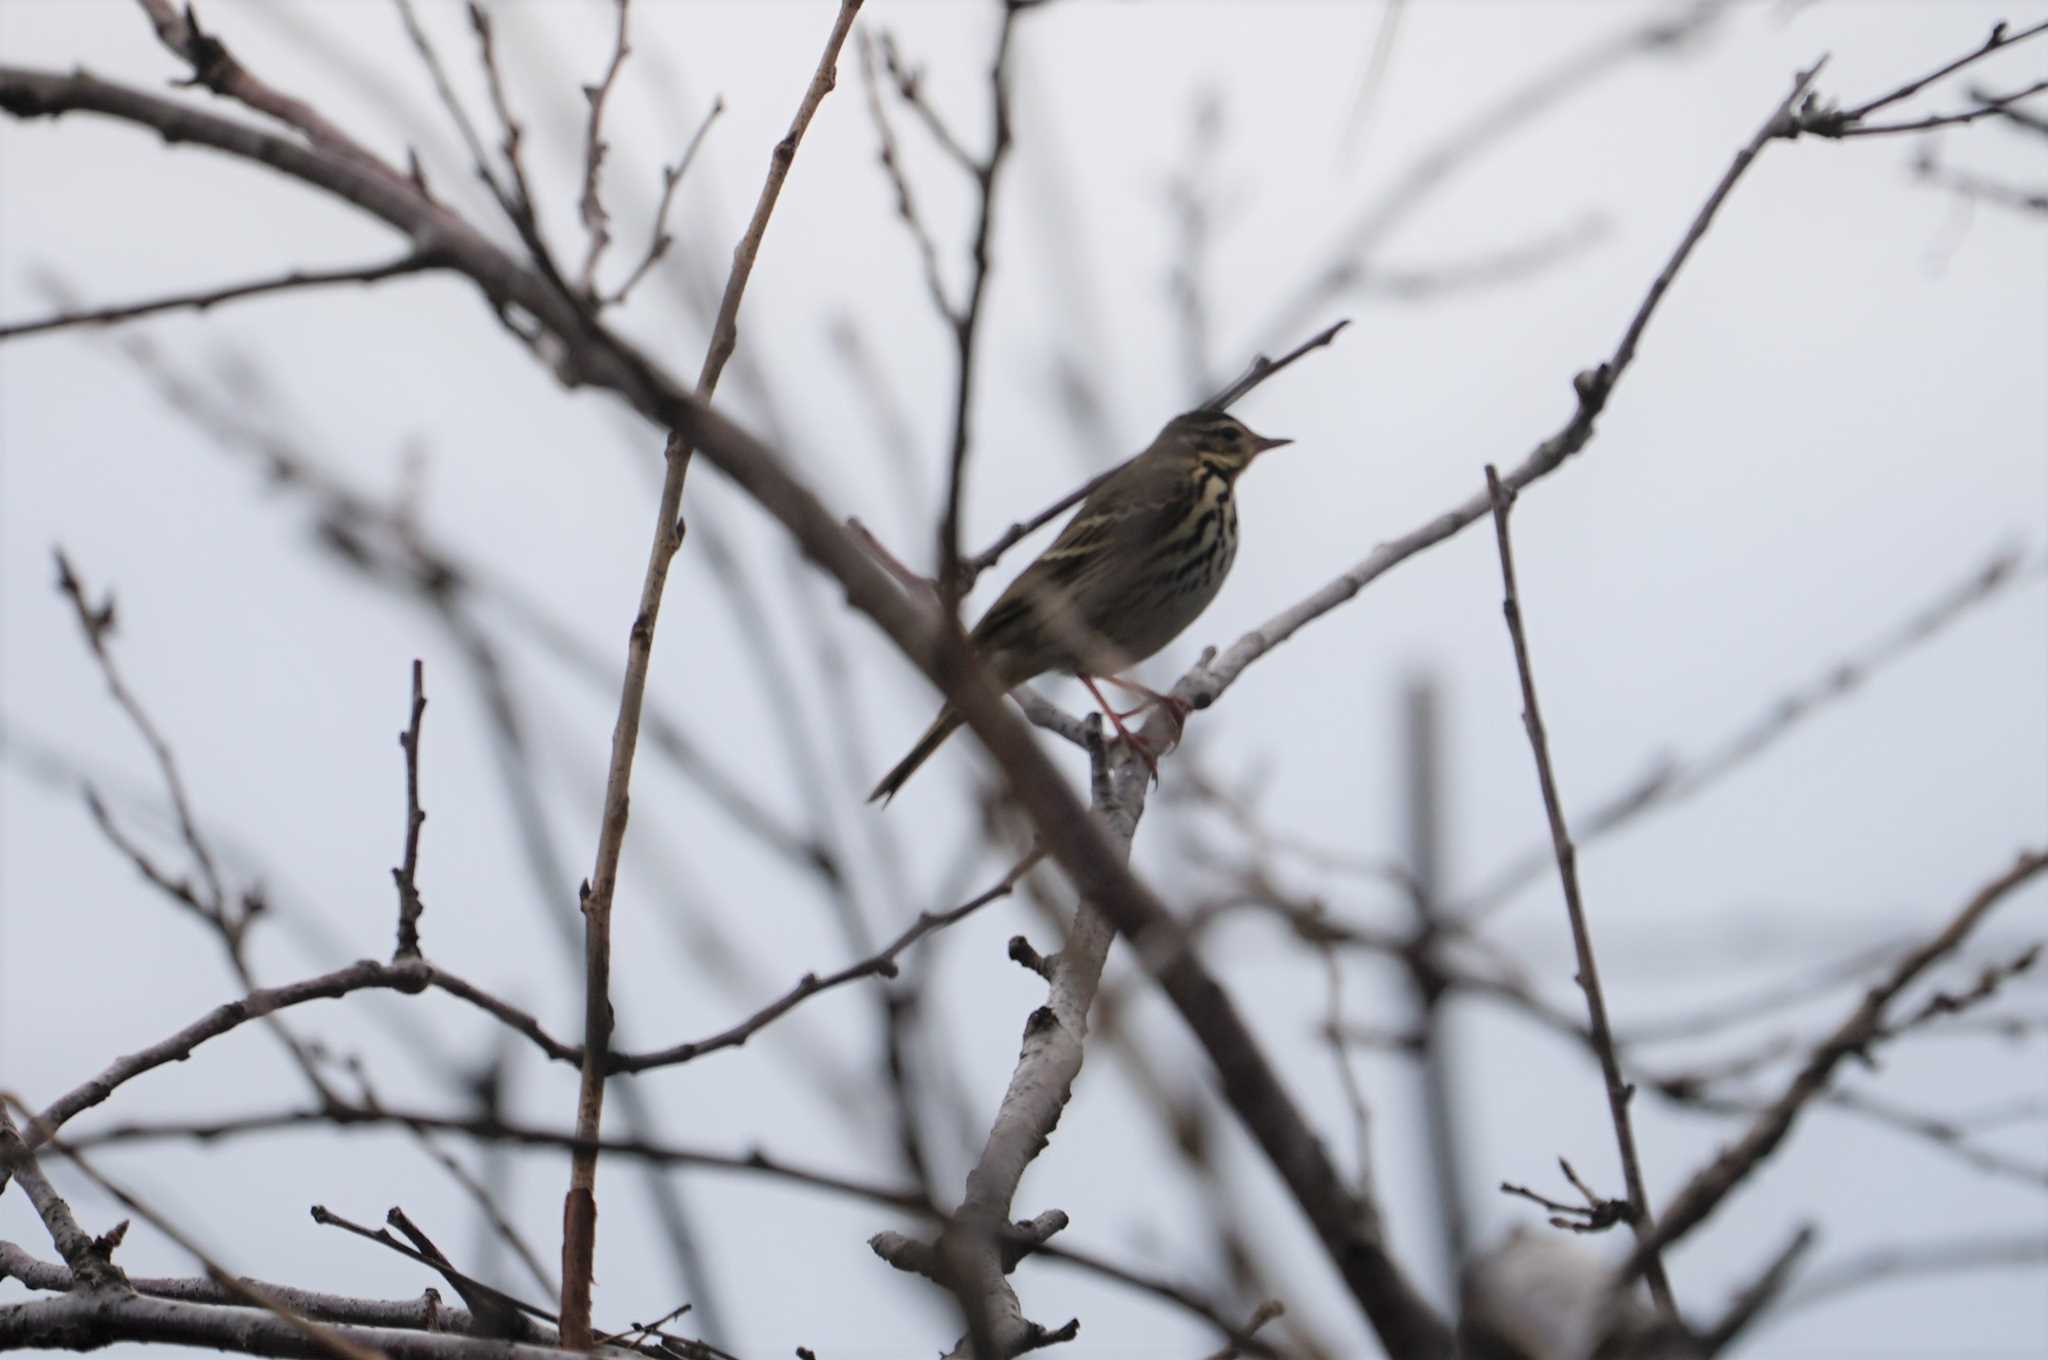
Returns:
(1920, 1256)
(1758, 1295)
(216, 68)
(1998, 38)
(906, 206)
(658, 239)
(322, 1339)
(409, 904)
(591, 205)
(87, 1258)
(579, 1210)
(1835, 124)
(202, 299)
(1673, 781)
(1619, 1092)
(1712, 1184)
(882, 964)
(1205, 683)
(96, 622)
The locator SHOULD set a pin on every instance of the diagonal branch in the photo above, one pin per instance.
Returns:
(414, 262)
(1713, 1183)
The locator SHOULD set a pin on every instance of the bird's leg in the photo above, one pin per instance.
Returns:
(1179, 708)
(1116, 720)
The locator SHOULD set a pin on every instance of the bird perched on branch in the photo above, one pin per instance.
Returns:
(1139, 561)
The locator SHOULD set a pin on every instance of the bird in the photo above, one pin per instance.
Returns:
(1139, 561)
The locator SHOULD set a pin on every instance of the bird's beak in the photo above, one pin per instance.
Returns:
(1261, 443)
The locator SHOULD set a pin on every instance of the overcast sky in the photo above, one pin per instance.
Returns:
(1837, 415)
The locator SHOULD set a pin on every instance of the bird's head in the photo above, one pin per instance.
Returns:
(1215, 436)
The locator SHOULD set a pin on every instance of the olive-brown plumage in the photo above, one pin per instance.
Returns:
(1140, 560)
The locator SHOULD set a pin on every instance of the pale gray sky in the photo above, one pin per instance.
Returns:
(1838, 413)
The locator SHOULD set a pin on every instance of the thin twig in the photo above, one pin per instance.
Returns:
(1675, 780)
(579, 1212)
(1619, 1091)
(658, 238)
(1998, 38)
(217, 69)
(882, 964)
(409, 904)
(96, 622)
(966, 323)
(899, 180)
(590, 206)
(414, 262)
(1207, 681)
(1712, 1183)
(1830, 124)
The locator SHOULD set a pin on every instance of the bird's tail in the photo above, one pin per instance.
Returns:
(941, 728)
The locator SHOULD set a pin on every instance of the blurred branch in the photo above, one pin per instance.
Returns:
(314, 1338)
(1440, 162)
(414, 262)
(409, 904)
(1673, 780)
(882, 964)
(590, 205)
(1905, 1260)
(1826, 121)
(1206, 682)
(1619, 1093)
(658, 238)
(1713, 1183)
(215, 68)
(411, 977)
(1976, 188)
(1758, 1295)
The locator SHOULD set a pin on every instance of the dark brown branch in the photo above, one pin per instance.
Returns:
(96, 622)
(882, 964)
(892, 166)
(410, 977)
(1619, 1092)
(1998, 38)
(216, 68)
(202, 299)
(409, 904)
(966, 322)
(590, 205)
(1712, 1184)
(1835, 124)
